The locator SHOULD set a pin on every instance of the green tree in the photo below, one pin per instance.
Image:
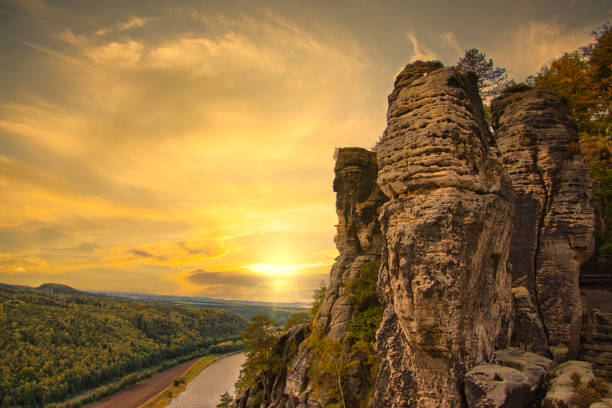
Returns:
(262, 357)
(491, 79)
(583, 78)
(318, 298)
(328, 369)
(297, 318)
(226, 401)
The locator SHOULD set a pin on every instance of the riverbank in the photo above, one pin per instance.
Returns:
(164, 397)
(137, 394)
(205, 390)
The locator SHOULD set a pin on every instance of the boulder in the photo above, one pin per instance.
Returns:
(495, 386)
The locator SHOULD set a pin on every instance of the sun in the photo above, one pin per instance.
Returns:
(273, 269)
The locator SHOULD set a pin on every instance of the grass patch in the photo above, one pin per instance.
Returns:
(587, 394)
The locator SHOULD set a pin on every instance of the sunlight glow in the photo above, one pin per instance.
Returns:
(282, 269)
(273, 269)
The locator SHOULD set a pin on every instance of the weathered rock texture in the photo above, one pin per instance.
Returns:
(358, 239)
(561, 390)
(446, 231)
(554, 224)
(495, 386)
(517, 379)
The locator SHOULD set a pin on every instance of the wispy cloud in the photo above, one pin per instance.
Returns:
(449, 38)
(419, 51)
(134, 22)
(533, 44)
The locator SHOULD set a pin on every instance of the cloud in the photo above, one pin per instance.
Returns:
(175, 253)
(134, 22)
(141, 253)
(238, 285)
(122, 54)
(449, 38)
(419, 51)
(10, 264)
(533, 44)
(183, 144)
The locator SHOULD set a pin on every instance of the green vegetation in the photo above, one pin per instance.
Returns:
(589, 393)
(164, 398)
(317, 299)
(583, 78)
(262, 356)
(297, 318)
(491, 79)
(279, 314)
(226, 401)
(57, 343)
(334, 360)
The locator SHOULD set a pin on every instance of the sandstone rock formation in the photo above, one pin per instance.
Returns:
(494, 386)
(358, 239)
(554, 224)
(517, 379)
(446, 232)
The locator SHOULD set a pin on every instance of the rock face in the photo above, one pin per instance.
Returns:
(554, 224)
(446, 229)
(358, 239)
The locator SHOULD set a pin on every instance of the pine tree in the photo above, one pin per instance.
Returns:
(491, 79)
(226, 401)
(262, 357)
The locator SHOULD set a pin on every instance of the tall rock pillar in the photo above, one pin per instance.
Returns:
(446, 232)
(555, 220)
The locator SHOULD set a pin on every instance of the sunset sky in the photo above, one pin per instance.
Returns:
(186, 147)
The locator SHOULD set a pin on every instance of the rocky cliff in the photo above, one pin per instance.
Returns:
(480, 241)
(554, 225)
(359, 241)
(446, 230)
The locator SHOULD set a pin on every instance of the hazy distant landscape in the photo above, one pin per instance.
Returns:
(57, 342)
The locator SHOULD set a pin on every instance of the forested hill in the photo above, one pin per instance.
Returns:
(56, 341)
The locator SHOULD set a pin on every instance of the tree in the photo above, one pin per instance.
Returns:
(318, 298)
(297, 318)
(583, 79)
(491, 79)
(226, 401)
(262, 357)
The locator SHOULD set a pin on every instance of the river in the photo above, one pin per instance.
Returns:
(205, 390)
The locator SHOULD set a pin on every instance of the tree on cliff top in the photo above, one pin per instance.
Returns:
(583, 79)
(491, 79)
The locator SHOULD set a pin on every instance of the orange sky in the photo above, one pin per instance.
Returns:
(187, 147)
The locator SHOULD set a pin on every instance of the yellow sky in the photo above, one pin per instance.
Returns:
(186, 147)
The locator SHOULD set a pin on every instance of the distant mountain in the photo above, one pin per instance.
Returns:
(58, 289)
(203, 299)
